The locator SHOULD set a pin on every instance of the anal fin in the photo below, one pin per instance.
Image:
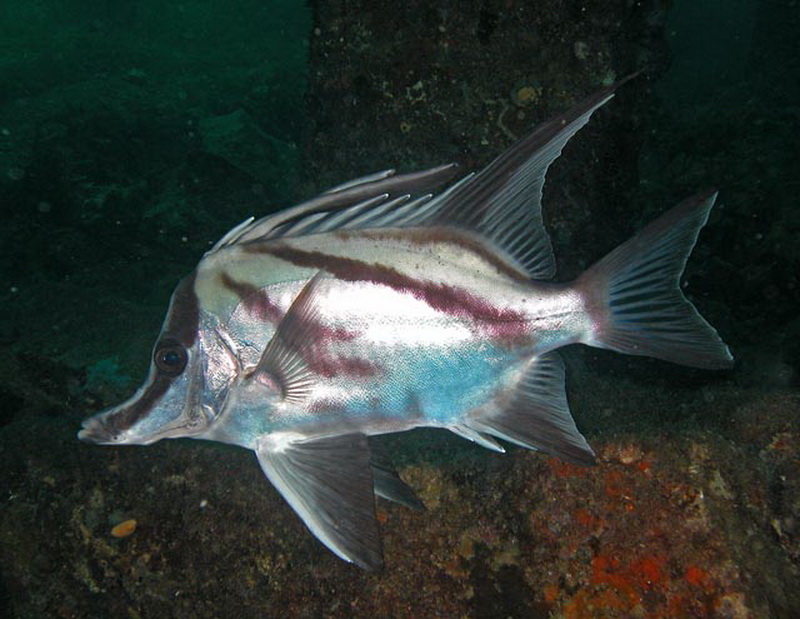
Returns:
(536, 414)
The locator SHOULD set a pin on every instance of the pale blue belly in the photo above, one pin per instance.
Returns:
(424, 387)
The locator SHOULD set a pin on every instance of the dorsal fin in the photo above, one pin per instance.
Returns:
(359, 194)
(502, 203)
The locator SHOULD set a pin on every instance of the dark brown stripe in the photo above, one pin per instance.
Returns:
(184, 316)
(446, 236)
(124, 418)
(332, 366)
(255, 300)
(443, 297)
(181, 324)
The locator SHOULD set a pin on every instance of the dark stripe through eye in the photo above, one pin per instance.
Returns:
(170, 357)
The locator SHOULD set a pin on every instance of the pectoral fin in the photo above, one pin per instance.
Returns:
(283, 365)
(328, 482)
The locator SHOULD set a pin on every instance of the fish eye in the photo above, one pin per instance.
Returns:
(170, 357)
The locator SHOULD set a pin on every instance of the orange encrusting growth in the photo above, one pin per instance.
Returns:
(124, 529)
(696, 576)
(626, 535)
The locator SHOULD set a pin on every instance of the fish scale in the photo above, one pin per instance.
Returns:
(381, 306)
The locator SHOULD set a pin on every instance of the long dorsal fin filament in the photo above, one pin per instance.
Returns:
(502, 203)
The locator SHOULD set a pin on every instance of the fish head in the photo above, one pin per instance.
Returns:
(177, 398)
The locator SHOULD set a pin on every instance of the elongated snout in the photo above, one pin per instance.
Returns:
(96, 431)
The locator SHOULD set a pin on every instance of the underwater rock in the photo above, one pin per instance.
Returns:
(237, 139)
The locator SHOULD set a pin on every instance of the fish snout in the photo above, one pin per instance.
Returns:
(97, 432)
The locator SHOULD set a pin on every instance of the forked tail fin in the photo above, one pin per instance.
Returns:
(634, 298)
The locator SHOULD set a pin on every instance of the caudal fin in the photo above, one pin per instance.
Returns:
(634, 299)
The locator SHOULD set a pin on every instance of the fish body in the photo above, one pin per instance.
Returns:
(412, 327)
(380, 306)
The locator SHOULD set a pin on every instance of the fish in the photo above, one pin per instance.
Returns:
(399, 301)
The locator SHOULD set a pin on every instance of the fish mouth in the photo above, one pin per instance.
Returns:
(96, 432)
